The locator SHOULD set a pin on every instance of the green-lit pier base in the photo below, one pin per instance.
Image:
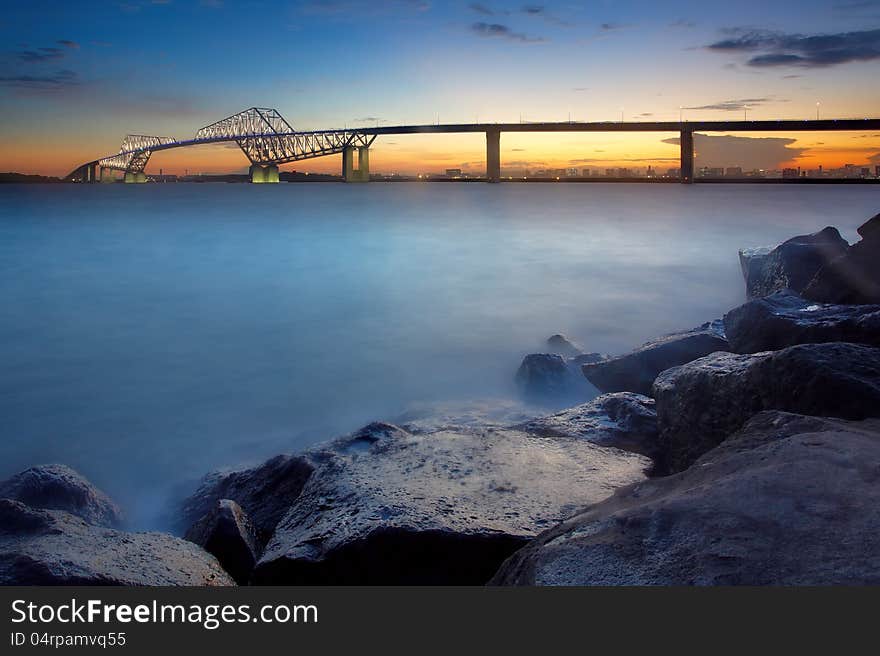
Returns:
(264, 174)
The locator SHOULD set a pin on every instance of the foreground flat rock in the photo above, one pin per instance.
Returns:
(792, 264)
(854, 276)
(701, 403)
(228, 534)
(58, 487)
(790, 500)
(623, 420)
(53, 547)
(785, 319)
(392, 507)
(636, 371)
(264, 492)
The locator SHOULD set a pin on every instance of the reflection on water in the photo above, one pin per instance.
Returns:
(150, 333)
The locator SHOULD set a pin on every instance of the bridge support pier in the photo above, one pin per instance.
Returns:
(135, 177)
(687, 156)
(107, 175)
(264, 174)
(493, 156)
(362, 172)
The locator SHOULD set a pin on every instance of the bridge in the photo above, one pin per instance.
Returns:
(268, 140)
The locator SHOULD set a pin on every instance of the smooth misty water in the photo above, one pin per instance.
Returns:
(151, 333)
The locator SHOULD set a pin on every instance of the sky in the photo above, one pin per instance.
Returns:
(75, 77)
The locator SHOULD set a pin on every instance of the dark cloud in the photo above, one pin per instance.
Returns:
(736, 105)
(68, 43)
(502, 31)
(811, 51)
(611, 27)
(749, 152)
(57, 80)
(681, 22)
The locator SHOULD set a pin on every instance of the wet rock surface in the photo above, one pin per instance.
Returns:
(854, 276)
(54, 547)
(58, 487)
(264, 492)
(228, 534)
(785, 319)
(623, 420)
(699, 404)
(792, 264)
(789, 500)
(636, 371)
(434, 508)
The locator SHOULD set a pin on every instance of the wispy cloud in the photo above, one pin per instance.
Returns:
(736, 105)
(57, 80)
(811, 51)
(481, 9)
(40, 55)
(496, 30)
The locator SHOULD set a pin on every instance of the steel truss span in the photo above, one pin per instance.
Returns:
(263, 134)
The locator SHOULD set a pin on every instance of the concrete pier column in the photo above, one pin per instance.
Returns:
(258, 174)
(271, 174)
(687, 156)
(348, 164)
(364, 163)
(107, 175)
(493, 156)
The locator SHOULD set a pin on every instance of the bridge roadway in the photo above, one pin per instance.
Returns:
(366, 135)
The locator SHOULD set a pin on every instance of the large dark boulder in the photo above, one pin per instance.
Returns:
(434, 508)
(701, 403)
(228, 534)
(636, 371)
(790, 500)
(53, 547)
(623, 420)
(264, 492)
(544, 374)
(58, 487)
(792, 264)
(785, 319)
(854, 276)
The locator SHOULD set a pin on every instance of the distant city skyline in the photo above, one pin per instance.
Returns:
(76, 77)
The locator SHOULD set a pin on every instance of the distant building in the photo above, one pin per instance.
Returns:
(571, 173)
(866, 172)
(877, 171)
(790, 173)
(673, 173)
(453, 173)
(650, 172)
(733, 172)
(624, 173)
(586, 172)
(609, 173)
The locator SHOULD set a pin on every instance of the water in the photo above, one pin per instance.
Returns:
(151, 333)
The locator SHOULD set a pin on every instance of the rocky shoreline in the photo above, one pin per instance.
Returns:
(743, 451)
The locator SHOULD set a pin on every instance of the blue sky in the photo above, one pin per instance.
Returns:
(77, 76)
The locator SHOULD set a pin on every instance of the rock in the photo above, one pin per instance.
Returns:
(229, 535)
(560, 345)
(785, 319)
(58, 487)
(544, 374)
(54, 547)
(434, 508)
(264, 492)
(701, 403)
(636, 371)
(792, 264)
(623, 420)
(588, 358)
(853, 277)
(790, 500)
